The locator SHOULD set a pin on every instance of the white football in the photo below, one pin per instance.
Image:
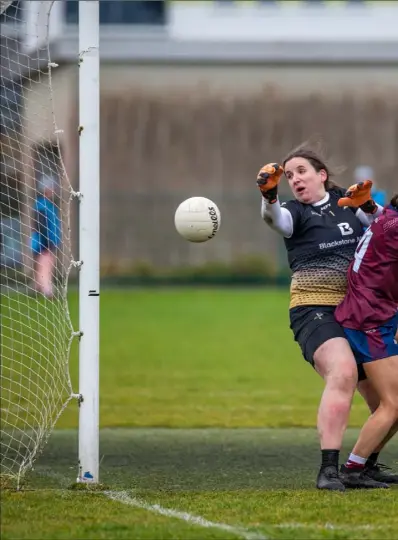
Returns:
(197, 219)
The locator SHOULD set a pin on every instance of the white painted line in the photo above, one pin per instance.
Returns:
(327, 526)
(125, 498)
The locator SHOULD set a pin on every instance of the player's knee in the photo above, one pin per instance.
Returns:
(344, 379)
(395, 410)
(339, 394)
(391, 404)
(340, 404)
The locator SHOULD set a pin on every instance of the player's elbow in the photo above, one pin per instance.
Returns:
(266, 214)
(267, 218)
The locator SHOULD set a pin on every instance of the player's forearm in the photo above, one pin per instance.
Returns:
(368, 219)
(278, 218)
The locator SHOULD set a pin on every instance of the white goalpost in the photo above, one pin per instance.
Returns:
(36, 256)
(89, 167)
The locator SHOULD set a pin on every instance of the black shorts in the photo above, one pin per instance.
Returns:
(314, 325)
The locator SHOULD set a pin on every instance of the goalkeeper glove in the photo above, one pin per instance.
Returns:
(358, 196)
(268, 179)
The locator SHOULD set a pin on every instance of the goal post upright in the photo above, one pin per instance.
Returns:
(89, 228)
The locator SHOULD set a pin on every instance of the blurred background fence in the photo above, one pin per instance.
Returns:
(159, 150)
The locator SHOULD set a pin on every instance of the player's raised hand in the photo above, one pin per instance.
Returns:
(359, 196)
(268, 179)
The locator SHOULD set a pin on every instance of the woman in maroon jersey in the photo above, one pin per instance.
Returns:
(369, 317)
(320, 239)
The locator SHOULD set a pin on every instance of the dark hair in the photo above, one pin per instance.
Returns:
(394, 200)
(316, 161)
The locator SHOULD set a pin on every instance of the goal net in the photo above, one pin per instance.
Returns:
(36, 330)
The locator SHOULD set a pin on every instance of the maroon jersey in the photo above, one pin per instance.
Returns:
(372, 294)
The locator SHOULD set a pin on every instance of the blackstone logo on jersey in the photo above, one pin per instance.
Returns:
(345, 229)
(214, 218)
(326, 245)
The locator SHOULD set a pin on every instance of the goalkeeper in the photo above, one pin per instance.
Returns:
(320, 238)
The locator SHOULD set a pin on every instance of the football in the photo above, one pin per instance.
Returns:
(197, 219)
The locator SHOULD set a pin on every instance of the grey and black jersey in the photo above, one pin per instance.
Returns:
(321, 249)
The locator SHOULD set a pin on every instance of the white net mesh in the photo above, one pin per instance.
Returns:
(35, 248)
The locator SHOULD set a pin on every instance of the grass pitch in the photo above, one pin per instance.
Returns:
(207, 416)
(258, 482)
(202, 358)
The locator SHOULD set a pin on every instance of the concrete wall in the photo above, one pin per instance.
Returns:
(295, 80)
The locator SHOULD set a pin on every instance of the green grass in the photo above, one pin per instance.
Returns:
(202, 358)
(208, 408)
(259, 479)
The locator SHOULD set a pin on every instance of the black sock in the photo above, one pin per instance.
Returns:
(330, 458)
(372, 459)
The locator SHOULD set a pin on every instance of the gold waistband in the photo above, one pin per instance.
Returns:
(321, 288)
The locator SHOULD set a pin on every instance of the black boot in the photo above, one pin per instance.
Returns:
(381, 473)
(359, 479)
(328, 478)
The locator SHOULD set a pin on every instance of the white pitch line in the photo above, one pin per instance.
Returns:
(125, 498)
(327, 526)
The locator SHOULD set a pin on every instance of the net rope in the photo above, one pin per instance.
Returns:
(36, 329)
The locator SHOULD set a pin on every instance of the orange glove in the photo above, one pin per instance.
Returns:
(359, 196)
(268, 180)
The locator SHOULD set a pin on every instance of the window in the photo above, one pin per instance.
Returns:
(12, 12)
(10, 195)
(123, 12)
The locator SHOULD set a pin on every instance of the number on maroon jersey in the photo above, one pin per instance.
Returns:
(361, 249)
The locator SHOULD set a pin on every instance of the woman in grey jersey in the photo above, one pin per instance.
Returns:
(320, 239)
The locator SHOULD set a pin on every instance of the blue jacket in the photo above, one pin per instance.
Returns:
(47, 225)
